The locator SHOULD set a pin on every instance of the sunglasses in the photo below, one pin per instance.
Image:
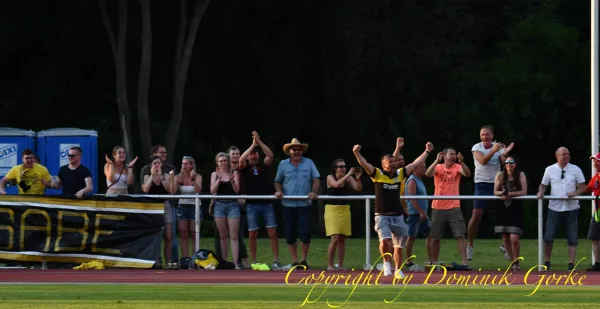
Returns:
(72, 155)
(341, 166)
(509, 162)
(297, 149)
(562, 175)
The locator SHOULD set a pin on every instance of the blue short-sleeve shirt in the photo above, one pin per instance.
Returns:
(296, 180)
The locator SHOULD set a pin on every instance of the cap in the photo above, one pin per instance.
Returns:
(595, 157)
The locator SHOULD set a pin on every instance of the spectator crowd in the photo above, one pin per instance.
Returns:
(398, 222)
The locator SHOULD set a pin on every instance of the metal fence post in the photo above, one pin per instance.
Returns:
(367, 234)
(540, 233)
(197, 242)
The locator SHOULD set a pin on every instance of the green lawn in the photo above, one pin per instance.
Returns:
(158, 296)
(487, 254)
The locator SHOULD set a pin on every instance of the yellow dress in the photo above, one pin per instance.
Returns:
(337, 213)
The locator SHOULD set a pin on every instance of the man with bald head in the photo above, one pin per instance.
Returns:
(563, 178)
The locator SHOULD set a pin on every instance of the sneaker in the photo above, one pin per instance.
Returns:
(515, 267)
(387, 269)
(469, 253)
(409, 265)
(276, 265)
(303, 263)
(379, 266)
(415, 267)
(439, 267)
(503, 250)
(456, 266)
(595, 267)
(399, 274)
(571, 266)
(288, 267)
(547, 264)
(338, 267)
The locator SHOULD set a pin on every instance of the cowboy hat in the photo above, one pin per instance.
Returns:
(295, 142)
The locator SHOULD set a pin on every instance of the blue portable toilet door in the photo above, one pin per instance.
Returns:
(9, 155)
(12, 143)
(60, 147)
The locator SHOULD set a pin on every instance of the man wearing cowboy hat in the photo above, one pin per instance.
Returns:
(389, 214)
(297, 176)
(594, 230)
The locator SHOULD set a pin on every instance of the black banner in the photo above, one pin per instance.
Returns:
(117, 231)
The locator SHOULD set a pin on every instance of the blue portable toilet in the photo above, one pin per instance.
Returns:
(53, 147)
(12, 143)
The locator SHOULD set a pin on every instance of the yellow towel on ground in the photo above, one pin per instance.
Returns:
(90, 265)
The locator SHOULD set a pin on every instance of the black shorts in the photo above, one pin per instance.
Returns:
(594, 231)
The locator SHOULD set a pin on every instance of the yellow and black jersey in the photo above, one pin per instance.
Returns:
(387, 191)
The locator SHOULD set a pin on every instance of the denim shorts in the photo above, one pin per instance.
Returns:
(188, 212)
(568, 219)
(253, 211)
(416, 227)
(483, 188)
(227, 209)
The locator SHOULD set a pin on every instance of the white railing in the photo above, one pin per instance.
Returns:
(367, 199)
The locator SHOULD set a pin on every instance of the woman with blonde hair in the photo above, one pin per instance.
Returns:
(188, 183)
(118, 174)
(337, 211)
(225, 181)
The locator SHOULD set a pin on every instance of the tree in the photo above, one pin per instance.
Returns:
(183, 55)
(118, 51)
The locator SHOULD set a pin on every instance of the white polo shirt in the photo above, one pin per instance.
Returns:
(562, 186)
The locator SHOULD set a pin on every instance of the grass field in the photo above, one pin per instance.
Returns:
(282, 296)
(487, 254)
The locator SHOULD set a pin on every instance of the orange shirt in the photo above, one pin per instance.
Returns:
(447, 182)
(594, 184)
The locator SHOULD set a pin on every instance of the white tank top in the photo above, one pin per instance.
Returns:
(188, 190)
(120, 184)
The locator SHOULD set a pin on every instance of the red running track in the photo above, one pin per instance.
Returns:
(279, 277)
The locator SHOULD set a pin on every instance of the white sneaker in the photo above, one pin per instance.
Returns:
(469, 253)
(503, 250)
(399, 274)
(379, 266)
(387, 269)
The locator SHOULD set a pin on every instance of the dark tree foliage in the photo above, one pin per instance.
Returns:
(330, 73)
